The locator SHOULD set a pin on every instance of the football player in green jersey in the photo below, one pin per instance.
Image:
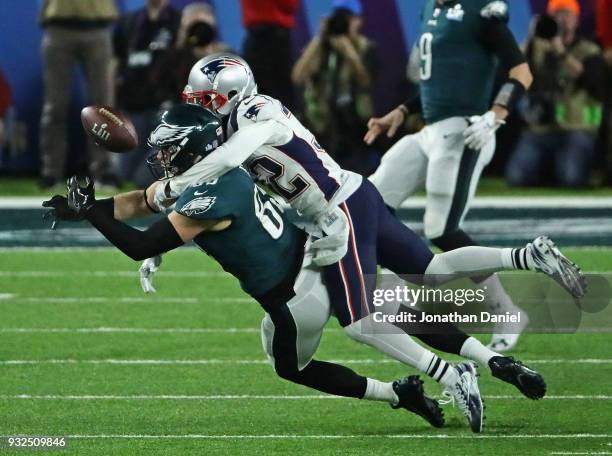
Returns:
(460, 44)
(245, 230)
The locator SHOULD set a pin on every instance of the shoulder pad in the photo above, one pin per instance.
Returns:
(258, 107)
(496, 10)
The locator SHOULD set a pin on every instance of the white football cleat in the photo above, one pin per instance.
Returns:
(547, 258)
(466, 395)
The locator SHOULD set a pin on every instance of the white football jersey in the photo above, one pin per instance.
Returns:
(292, 162)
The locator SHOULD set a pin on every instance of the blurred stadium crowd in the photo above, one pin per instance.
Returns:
(139, 61)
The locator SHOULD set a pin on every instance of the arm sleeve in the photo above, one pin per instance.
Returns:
(138, 245)
(497, 37)
(228, 156)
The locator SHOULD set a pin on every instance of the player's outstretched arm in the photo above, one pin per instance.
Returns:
(134, 204)
(159, 238)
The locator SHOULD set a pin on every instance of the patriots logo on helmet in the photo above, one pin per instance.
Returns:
(198, 205)
(166, 134)
(252, 112)
(212, 69)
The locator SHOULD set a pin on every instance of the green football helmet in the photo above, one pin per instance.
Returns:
(186, 133)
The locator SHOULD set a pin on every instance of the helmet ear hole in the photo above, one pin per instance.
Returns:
(231, 94)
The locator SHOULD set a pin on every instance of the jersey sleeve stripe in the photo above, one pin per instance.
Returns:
(233, 121)
(303, 153)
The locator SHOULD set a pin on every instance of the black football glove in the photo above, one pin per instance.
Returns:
(60, 211)
(81, 194)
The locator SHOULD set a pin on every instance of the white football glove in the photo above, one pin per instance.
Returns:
(333, 244)
(481, 130)
(147, 270)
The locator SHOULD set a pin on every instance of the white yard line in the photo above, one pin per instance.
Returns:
(166, 273)
(112, 330)
(134, 299)
(328, 436)
(126, 273)
(272, 397)
(9, 362)
(105, 330)
(580, 452)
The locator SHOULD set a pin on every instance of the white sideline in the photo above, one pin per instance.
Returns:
(328, 436)
(579, 202)
(181, 397)
(9, 362)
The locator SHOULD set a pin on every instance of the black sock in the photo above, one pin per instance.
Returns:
(332, 379)
(441, 336)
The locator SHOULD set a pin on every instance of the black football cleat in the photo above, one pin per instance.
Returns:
(412, 397)
(528, 381)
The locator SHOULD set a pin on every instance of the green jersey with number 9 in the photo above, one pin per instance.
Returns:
(260, 247)
(457, 68)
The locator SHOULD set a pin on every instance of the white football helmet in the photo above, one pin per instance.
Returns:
(219, 81)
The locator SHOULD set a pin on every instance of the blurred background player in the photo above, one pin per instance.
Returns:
(565, 103)
(197, 38)
(5, 102)
(267, 46)
(458, 47)
(141, 40)
(76, 32)
(338, 68)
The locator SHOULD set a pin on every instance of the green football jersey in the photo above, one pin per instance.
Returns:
(457, 70)
(260, 247)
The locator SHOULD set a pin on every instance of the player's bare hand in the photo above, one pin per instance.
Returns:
(389, 123)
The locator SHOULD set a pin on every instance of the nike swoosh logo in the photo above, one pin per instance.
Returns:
(200, 193)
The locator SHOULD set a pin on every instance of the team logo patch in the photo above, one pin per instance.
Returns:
(212, 69)
(166, 134)
(252, 112)
(198, 205)
(497, 9)
(455, 13)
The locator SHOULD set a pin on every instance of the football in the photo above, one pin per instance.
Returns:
(109, 128)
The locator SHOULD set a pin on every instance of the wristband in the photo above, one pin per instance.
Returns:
(509, 94)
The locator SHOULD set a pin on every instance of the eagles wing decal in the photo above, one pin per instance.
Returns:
(198, 205)
(166, 134)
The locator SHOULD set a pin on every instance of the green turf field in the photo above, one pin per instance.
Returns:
(83, 353)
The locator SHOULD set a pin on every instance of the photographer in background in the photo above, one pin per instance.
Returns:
(565, 103)
(604, 33)
(141, 40)
(337, 69)
(197, 38)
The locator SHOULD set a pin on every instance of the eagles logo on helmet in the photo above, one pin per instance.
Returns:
(186, 133)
